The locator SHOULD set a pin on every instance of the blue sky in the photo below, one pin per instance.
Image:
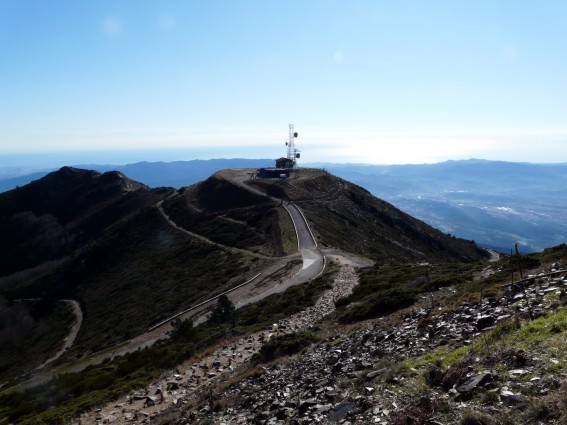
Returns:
(363, 81)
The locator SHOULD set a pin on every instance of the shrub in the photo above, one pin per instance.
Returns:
(224, 311)
(420, 414)
(490, 398)
(382, 303)
(474, 418)
(454, 377)
(283, 345)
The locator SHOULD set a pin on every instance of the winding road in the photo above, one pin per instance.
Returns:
(276, 278)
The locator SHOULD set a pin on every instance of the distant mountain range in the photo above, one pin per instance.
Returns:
(154, 174)
(494, 203)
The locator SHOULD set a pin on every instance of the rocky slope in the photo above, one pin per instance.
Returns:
(199, 377)
(420, 366)
(444, 366)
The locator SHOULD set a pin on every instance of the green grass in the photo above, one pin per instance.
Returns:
(504, 348)
(384, 289)
(443, 356)
(544, 335)
(288, 236)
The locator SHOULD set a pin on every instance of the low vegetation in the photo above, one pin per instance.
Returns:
(142, 270)
(30, 333)
(288, 236)
(263, 314)
(136, 276)
(385, 289)
(71, 393)
(537, 343)
(283, 345)
(231, 216)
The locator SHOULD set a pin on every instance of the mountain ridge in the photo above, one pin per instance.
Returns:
(496, 203)
(143, 269)
(120, 251)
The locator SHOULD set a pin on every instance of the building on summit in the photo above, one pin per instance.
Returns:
(284, 165)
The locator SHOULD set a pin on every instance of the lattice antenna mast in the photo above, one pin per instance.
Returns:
(292, 153)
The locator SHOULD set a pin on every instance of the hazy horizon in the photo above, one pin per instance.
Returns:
(40, 162)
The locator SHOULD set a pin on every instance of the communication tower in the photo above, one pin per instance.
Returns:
(292, 153)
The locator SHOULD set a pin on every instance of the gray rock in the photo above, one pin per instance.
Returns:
(484, 322)
(341, 411)
(306, 404)
(474, 382)
(511, 399)
(172, 386)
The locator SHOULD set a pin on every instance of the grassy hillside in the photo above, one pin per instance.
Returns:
(119, 257)
(230, 215)
(346, 216)
(129, 267)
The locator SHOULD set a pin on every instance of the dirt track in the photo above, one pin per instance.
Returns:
(70, 338)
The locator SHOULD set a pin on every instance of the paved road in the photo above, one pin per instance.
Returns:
(494, 256)
(305, 239)
(274, 280)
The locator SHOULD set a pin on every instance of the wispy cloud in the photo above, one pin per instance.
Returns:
(111, 26)
(167, 23)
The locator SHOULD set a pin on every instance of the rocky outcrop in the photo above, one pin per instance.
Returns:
(334, 383)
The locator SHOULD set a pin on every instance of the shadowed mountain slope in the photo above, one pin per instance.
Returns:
(55, 215)
(119, 256)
